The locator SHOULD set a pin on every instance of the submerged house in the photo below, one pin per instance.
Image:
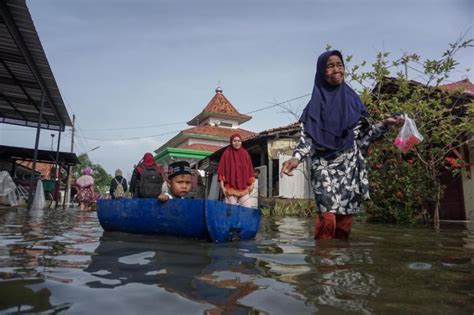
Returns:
(268, 150)
(457, 202)
(459, 193)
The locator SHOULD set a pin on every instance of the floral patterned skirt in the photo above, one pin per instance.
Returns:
(340, 184)
(85, 195)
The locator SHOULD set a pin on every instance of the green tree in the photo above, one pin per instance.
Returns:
(101, 177)
(404, 183)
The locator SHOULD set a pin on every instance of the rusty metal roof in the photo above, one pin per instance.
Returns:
(25, 74)
(45, 156)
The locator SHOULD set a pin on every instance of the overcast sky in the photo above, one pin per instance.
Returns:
(145, 67)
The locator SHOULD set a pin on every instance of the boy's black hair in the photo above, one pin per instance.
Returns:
(178, 168)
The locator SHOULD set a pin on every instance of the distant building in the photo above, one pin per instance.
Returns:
(458, 199)
(211, 131)
(457, 202)
(268, 150)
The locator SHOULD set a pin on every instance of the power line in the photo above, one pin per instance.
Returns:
(127, 139)
(142, 127)
(182, 122)
(277, 104)
(85, 144)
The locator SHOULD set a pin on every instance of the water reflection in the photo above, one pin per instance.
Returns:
(19, 295)
(53, 261)
(31, 243)
(342, 285)
(227, 276)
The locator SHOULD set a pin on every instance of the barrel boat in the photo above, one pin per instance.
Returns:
(195, 218)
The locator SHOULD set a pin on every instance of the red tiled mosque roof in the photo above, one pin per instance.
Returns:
(219, 131)
(464, 85)
(221, 106)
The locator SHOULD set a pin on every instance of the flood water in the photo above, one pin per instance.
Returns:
(61, 261)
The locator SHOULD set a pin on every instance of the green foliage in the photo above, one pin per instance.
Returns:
(402, 184)
(296, 207)
(399, 186)
(101, 177)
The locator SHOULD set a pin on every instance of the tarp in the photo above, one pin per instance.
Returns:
(7, 188)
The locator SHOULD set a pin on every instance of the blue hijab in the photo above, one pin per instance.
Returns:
(333, 111)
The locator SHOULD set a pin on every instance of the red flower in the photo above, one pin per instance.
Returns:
(453, 162)
(399, 194)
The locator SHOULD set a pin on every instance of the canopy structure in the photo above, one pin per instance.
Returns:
(29, 94)
(44, 156)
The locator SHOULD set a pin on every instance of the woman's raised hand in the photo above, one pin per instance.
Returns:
(288, 167)
(396, 120)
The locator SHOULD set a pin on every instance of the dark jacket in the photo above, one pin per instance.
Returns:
(135, 183)
(114, 183)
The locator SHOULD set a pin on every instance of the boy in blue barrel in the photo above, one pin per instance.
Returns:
(179, 181)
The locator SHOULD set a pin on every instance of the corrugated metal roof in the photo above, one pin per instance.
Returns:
(25, 73)
(46, 156)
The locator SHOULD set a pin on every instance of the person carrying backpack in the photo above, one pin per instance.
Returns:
(118, 186)
(147, 178)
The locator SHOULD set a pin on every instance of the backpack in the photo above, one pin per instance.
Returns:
(150, 182)
(119, 191)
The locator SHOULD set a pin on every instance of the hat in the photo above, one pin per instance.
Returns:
(87, 171)
(118, 172)
(178, 168)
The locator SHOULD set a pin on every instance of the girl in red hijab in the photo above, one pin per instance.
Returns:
(235, 173)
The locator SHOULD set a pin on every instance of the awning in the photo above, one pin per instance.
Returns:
(44, 156)
(25, 74)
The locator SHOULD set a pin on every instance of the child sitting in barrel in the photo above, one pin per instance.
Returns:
(179, 181)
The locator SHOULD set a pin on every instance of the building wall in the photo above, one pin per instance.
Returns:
(190, 141)
(298, 185)
(222, 122)
(468, 188)
(281, 146)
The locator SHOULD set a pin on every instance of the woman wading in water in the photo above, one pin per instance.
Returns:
(335, 134)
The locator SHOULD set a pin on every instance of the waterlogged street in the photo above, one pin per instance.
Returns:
(61, 261)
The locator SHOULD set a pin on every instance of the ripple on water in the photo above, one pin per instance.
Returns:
(419, 266)
(284, 259)
(137, 259)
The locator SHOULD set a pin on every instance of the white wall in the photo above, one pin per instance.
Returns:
(190, 141)
(214, 120)
(468, 188)
(296, 186)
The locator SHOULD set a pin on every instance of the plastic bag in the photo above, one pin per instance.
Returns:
(7, 188)
(39, 202)
(408, 135)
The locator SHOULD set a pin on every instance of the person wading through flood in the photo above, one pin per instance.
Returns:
(335, 134)
(235, 173)
(147, 178)
(85, 189)
(118, 185)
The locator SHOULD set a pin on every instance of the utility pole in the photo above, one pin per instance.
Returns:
(69, 170)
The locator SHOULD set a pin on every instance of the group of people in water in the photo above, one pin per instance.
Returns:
(235, 174)
(335, 135)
